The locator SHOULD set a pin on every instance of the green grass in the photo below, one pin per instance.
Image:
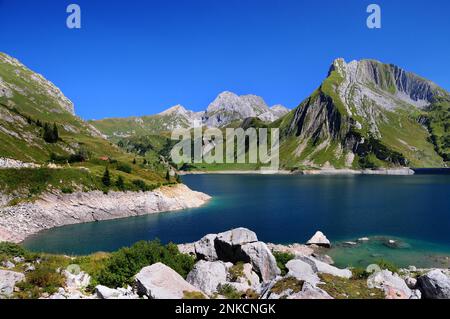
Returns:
(287, 283)
(341, 288)
(21, 138)
(282, 259)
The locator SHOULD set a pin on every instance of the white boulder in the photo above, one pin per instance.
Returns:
(161, 282)
(319, 239)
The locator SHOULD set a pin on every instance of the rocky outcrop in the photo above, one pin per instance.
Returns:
(434, 285)
(393, 285)
(262, 260)
(228, 244)
(161, 282)
(8, 280)
(319, 239)
(239, 245)
(205, 248)
(54, 210)
(103, 292)
(207, 275)
(12, 163)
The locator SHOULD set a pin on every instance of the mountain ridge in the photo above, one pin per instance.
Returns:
(364, 115)
(226, 108)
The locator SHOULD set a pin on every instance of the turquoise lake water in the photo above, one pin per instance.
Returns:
(414, 210)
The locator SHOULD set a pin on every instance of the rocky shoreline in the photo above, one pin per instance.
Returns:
(236, 265)
(55, 209)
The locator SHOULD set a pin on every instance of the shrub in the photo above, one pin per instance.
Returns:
(124, 168)
(387, 265)
(67, 190)
(120, 183)
(228, 291)
(141, 185)
(360, 273)
(282, 259)
(46, 278)
(236, 272)
(288, 283)
(193, 295)
(124, 264)
(12, 250)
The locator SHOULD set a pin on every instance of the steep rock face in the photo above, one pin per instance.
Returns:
(229, 107)
(368, 114)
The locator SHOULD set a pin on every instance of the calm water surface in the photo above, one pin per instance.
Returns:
(285, 209)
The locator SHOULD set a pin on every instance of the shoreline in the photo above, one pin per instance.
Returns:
(392, 172)
(55, 210)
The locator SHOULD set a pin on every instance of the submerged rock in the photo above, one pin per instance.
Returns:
(434, 285)
(319, 239)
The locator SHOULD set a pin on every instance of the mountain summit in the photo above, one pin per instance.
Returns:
(369, 114)
(226, 108)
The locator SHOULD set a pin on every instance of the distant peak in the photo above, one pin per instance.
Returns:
(177, 109)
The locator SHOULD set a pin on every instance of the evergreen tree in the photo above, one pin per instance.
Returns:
(50, 134)
(178, 178)
(134, 161)
(145, 162)
(106, 179)
(55, 133)
(168, 176)
(120, 183)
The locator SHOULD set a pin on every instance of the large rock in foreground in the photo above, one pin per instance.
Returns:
(205, 248)
(262, 260)
(434, 285)
(8, 280)
(161, 282)
(207, 275)
(228, 244)
(393, 285)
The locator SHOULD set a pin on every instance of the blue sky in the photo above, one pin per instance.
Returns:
(139, 57)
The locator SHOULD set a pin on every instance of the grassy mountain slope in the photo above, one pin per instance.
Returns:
(367, 114)
(28, 103)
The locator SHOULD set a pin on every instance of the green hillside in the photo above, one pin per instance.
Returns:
(38, 125)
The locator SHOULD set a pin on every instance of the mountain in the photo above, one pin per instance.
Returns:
(38, 125)
(229, 107)
(226, 109)
(368, 114)
(174, 118)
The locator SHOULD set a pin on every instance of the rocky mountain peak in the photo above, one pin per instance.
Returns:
(175, 110)
(382, 82)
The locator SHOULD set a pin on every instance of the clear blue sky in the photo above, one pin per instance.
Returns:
(139, 57)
